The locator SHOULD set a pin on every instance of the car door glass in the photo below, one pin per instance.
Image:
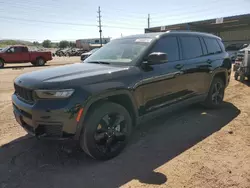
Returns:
(18, 49)
(25, 50)
(168, 45)
(212, 46)
(191, 47)
(11, 50)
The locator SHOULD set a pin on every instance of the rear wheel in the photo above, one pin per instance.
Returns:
(1, 63)
(236, 75)
(106, 131)
(216, 93)
(40, 62)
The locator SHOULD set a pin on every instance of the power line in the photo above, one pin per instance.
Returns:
(66, 23)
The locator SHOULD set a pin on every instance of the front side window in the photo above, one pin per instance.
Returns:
(212, 46)
(168, 45)
(191, 47)
(120, 51)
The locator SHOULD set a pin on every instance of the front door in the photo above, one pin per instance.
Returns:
(163, 83)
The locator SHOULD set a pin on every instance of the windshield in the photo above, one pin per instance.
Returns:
(5, 49)
(92, 51)
(120, 51)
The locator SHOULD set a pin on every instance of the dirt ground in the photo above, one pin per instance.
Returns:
(192, 147)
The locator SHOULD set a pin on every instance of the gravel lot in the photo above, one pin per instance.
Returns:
(193, 147)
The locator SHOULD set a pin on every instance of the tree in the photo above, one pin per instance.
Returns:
(63, 44)
(35, 43)
(46, 43)
(72, 44)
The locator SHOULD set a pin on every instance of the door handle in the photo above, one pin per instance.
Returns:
(209, 61)
(178, 66)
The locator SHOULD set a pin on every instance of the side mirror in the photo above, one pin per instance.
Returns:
(157, 58)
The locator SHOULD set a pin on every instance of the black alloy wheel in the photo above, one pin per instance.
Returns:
(106, 130)
(111, 133)
(218, 93)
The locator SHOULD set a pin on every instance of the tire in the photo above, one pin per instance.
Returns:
(98, 138)
(1, 63)
(242, 77)
(40, 62)
(215, 96)
(236, 75)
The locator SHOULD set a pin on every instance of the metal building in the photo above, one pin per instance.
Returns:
(82, 42)
(232, 30)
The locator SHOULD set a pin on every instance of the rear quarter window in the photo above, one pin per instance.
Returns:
(213, 46)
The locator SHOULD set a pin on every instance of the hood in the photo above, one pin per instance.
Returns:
(74, 74)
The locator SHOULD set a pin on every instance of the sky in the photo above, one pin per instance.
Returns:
(38, 20)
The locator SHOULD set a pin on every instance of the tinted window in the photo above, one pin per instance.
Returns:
(24, 49)
(168, 45)
(18, 49)
(204, 48)
(212, 46)
(191, 47)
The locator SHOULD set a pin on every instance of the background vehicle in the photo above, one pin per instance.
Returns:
(21, 54)
(232, 49)
(243, 69)
(87, 54)
(127, 81)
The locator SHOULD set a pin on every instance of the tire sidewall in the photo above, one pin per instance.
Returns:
(209, 102)
(40, 62)
(87, 141)
(1, 63)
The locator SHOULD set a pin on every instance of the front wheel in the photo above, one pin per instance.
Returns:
(1, 63)
(106, 131)
(216, 93)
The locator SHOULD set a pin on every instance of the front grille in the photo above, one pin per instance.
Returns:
(24, 94)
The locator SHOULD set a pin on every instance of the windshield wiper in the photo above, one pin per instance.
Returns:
(99, 62)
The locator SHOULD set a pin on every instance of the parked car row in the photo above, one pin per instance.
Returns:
(69, 52)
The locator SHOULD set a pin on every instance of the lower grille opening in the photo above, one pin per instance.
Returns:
(49, 130)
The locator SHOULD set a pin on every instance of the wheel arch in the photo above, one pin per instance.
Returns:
(122, 97)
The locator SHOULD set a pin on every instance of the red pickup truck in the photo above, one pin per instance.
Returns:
(21, 54)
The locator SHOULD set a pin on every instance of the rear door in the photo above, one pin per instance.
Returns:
(195, 66)
(24, 55)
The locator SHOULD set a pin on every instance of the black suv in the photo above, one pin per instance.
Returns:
(99, 102)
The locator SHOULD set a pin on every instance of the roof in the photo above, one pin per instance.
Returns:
(181, 32)
(229, 23)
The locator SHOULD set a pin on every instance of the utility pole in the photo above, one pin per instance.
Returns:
(148, 20)
(100, 24)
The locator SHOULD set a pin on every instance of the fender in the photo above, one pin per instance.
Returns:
(217, 71)
(99, 97)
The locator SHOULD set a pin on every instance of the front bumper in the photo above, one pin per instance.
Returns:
(54, 119)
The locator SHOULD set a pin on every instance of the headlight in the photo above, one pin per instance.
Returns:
(48, 94)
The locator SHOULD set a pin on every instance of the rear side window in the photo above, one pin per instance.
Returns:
(168, 45)
(18, 49)
(213, 46)
(24, 49)
(191, 47)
